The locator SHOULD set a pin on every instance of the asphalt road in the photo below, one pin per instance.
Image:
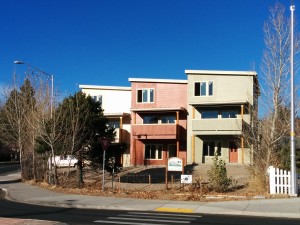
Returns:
(87, 216)
(6, 168)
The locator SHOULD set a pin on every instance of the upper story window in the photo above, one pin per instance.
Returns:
(114, 124)
(204, 88)
(209, 114)
(98, 98)
(219, 113)
(229, 114)
(145, 95)
(168, 119)
(162, 119)
(150, 119)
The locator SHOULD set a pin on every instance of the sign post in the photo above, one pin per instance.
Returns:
(105, 142)
(173, 164)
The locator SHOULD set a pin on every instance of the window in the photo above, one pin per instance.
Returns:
(210, 88)
(114, 124)
(150, 119)
(158, 119)
(153, 151)
(168, 119)
(209, 114)
(145, 95)
(210, 148)
(98, 99)
(229, 114)
(203, 88)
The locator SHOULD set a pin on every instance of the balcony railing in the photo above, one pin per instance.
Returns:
(154, 131)
(217, 126)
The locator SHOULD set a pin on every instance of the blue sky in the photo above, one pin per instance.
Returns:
(104, 42)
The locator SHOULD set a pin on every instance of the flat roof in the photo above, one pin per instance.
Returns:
(122, 88)
(221, 72)
(149, 80)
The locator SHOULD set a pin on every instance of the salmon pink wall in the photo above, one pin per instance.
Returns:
(166, 95)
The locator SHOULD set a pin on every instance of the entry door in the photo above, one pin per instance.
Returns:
(233, 152)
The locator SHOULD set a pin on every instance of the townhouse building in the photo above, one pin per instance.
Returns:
(158, 120)
(221, 105)
(116, 103)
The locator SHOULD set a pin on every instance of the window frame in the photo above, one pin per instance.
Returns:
(217, 148)
(145, 95)
(203, 88)
(158, 152)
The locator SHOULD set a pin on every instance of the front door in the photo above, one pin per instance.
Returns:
(233, 152)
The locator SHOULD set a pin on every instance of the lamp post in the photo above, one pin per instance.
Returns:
(47, 74)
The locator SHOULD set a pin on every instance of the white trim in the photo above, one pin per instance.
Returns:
(104, 87)
(220, 72)
(157, 80)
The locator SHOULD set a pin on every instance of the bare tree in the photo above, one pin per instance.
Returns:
(275, 99)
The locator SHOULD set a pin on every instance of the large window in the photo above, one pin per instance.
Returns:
(210, 148)
(218, 113)
(150, 119)
(203, 88)
(153, 151)
(159, 119)
(229, 114)
(209, 114)
(145, 95)
(167, 119)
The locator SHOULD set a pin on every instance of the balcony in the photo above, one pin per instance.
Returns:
(154, 131)
(232, 126)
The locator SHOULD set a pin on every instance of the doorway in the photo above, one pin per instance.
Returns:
(233, 152)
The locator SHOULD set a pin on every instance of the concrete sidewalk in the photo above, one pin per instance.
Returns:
(21, 192)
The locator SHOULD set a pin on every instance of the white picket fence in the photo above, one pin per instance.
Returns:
(280, 181)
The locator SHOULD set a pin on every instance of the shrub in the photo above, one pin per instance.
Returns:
(217, 176)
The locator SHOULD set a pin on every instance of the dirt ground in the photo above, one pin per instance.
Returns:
(197, 191)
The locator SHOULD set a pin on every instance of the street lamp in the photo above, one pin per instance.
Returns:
(47, 74)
